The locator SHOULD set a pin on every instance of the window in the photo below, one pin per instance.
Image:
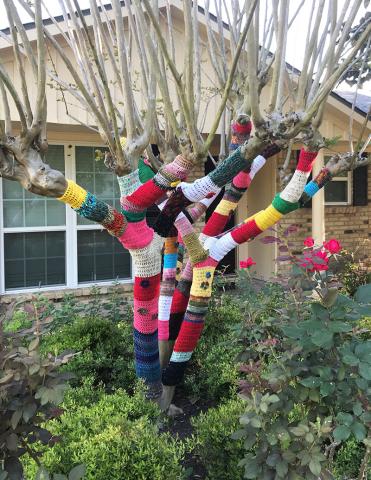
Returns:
(46, 245)
(34, 234)
(338, 191)
(100, 256)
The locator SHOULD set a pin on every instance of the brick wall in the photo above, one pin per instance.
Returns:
(352, 226)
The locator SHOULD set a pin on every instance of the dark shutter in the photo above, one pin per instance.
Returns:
(360, 186)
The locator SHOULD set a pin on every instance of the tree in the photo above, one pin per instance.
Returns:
(104, 62)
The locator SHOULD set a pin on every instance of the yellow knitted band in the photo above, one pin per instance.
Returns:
(225, 207)
(196, 251)
(174, 184)
(74, 195)
(122, 142)
(202, 281)
(268, 217)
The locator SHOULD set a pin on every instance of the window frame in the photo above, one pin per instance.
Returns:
(70, 228)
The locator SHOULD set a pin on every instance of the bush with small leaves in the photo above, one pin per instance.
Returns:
(213, 373)
(348, 459)
(105, 350)
(115, 437)
(18, 321)
(213, 441)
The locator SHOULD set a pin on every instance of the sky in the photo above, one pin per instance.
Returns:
(295, 45)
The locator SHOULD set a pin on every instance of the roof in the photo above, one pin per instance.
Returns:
(362, 101)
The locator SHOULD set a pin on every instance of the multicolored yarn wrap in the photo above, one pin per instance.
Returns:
(89, 206)
(187, 193)
(167, 286)
(168, 330)
(240, 133)
(193, 323)
(315, 185)
(215, 226)
(155, 188)
(203, 272)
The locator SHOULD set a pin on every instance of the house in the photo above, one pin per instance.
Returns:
(46, 247)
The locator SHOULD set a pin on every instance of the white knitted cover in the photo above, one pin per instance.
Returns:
(294, 189)
(164, 306)
(129, 183)
(257, 164)
(147, 260)
(220, 248)
(180, 356)
(199, 189)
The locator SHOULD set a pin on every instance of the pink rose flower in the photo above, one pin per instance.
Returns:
(249, 262)
(309, 242)
(332, 246)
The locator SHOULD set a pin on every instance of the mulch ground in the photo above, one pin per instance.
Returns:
(180, 427)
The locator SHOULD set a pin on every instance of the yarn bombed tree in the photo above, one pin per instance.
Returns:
(172, 312)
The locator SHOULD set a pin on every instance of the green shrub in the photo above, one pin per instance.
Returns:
(353, 273)
(213, 444)
(115, 438)
(348, 459)
(212, 373)
(319, 359)
(106, 350)
(18, 322)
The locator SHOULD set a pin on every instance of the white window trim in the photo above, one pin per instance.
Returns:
(70, 229)
(347, 179)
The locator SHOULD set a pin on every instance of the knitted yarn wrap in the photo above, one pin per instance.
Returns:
(147, 260)
(240, 133)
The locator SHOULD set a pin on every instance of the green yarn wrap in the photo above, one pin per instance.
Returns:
(283, 206)
(145, 171)
(133, 217)
(231, 166)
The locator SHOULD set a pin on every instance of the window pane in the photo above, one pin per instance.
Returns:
(25, 209)
(101, 257)
(336, 191)
(93, 175)
(34, 259)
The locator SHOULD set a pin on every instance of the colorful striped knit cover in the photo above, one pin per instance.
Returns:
(147, 263)
(203, 272)
(215, 226)
(187, 193)
(144, 245)
(172, 262)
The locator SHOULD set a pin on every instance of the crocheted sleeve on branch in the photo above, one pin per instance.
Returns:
(203, 272)
(89, 206)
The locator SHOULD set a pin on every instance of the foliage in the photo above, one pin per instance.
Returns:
(116, 437)
(112, 306)
(213, 373)
(105, 350)
(18, 321)
(30, 389)
(348, 459)
(213, 443)
(307, 379)
(353, 274)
